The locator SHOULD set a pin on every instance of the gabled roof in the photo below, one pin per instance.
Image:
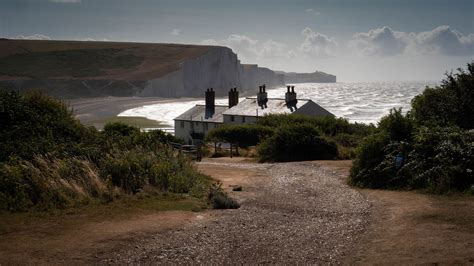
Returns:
(249, 106)
(198, 113)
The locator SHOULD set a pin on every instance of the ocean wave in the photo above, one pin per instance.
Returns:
(363, 102)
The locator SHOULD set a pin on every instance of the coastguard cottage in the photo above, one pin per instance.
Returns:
(193, 124)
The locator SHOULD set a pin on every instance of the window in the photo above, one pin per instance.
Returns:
(243, 119)
(182, 124)
(205, 126)
(232, 118)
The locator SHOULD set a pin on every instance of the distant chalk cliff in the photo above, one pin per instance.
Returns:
(73, 69)
(315, 77)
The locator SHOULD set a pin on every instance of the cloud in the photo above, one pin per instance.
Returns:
(444, 40)
(32, 37)
(65, 1)
(317, 44)
(382, 41)
(88, 39)
(250, 49)
(175, 32)
(386, 42)
(312, 12)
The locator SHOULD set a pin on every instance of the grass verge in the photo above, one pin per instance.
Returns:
(122, 208)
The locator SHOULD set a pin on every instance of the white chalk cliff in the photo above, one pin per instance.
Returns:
(219, 68)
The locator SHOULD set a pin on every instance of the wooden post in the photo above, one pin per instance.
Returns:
(231, 150)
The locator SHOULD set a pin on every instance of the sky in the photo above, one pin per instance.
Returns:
(357, 40)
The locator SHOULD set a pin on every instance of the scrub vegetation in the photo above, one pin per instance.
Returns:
(296, 137)
(429, 148)
(49, 160)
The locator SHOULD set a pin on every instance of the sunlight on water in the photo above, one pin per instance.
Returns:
(364, 102)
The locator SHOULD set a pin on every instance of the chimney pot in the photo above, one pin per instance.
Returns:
(233, 97)
(210, 103)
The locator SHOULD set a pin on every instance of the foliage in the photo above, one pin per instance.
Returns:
(220, 200)
(49, 160)
(346, 135)
(434, 144)
(397, 126)
(37, 124)
(330, 126)
(330, 130)
(243, 135)
(450, 104)
(295, 143)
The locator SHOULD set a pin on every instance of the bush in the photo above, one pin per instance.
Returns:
(49, 160)
(399, 127)
(450, 104)
(220, 200)
(369, 156)
(442, 160)
(431, 148)
(242, 135)
(37, 124)
(296, 143)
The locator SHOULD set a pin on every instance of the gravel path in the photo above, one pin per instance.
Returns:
(302, 213)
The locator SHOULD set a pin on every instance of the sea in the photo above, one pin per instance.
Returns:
(362, 102)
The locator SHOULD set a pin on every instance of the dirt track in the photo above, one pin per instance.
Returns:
(291, 213)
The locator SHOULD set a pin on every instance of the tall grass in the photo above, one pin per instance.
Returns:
(49, 160)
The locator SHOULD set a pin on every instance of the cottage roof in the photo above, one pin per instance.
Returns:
(249, 106)
(198, 113)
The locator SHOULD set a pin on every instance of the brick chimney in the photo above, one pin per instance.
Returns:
(262, 97)
(210, 102)
(290, 96)
(233, 97)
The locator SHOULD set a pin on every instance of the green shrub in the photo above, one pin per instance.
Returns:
(442, 160)
(296, 143)
(328, 125)
(243, 135)
(397, 126)
(49, 160)
(37, 124)
(434, 144)
(220, 200)
(369, 156)
(450, 104)
(120, 129)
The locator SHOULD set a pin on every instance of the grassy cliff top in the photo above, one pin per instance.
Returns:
(91, 59)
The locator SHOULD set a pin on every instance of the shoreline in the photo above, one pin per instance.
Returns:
(92, 111)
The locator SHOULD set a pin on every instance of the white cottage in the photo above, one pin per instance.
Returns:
(193, 124)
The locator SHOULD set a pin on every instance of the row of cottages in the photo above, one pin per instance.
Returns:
(193, 124)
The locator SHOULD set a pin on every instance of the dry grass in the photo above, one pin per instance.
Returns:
(159, 59)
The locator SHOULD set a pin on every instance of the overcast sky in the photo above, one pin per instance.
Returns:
(355, 40)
